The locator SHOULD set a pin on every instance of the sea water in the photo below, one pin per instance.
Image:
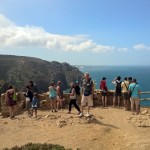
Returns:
(141, 73)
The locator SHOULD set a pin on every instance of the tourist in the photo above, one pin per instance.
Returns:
(130, 80)
(125, 95)
(87, 94)
(10, 101)
(34, 104)
(73, 97)
(29, 97)
(103, 87)
(34, 89)
(134, 90)
(117, 92)
(52, 96)
(59, 95)
(77, 88)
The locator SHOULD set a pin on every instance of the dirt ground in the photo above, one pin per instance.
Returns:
(107, 129)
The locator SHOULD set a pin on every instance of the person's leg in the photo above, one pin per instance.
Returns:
(52, 104)
(114, 101)
(58, 103)
(55, 104)
(118, 101)
(137, 101)
(70, 105)
(76, 106)
(90, 103)
(83, 103)
(35, 109)
(103, 103)
(106, 101)
(10, 111)
(132, 105)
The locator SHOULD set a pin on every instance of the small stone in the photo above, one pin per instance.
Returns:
(144, 112)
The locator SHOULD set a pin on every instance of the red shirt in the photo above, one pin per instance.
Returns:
(103, 85)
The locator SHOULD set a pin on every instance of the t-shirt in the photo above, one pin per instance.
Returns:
(125, 86)
(52, 92)
(135, 92)
(87, 86)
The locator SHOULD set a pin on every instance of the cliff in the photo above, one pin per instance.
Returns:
(19, 70)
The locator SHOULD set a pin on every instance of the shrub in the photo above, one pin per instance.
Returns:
(38, 146)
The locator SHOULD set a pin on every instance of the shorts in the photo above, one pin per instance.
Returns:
(125, 96)
(104, 93)
(28, 105)
(135, 101)
(88, 100)
(52, 98)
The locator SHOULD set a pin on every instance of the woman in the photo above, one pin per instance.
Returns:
(103, 87)
(59, 95)
(73, 98)
(52, 96)
(29, 96)
(10, 101)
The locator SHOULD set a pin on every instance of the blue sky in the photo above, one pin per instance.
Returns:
(79, 32)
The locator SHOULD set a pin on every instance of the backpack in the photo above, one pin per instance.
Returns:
(118, 87)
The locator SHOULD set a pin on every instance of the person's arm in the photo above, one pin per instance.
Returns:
(72, 92)
(114, 81)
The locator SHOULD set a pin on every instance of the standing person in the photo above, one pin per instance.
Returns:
(125, 86)
(34, 104)
(135, 91)
(130, 80)
(77, 88)
(29, 96)
(59, 95)
(52, 96)
(34, 89)
(87, 94)
(103, 87)
(73, 97)
(10, 101)
(117, 93)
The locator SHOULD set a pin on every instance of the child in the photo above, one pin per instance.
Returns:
(34, 104)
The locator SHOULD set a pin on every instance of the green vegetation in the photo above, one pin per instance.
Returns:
(38, 146)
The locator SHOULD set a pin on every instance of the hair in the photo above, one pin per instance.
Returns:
(130, 78)
(31, 82)
(59, 82)
(86, 73)
(104, 78)
(28, 87)
(52, 83)
(134, 80)
(125, 78)
(119, 78)
(10, 87)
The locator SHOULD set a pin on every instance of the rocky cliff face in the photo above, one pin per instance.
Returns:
(19, 70)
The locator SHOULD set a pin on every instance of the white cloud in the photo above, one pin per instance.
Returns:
(122, 49)
(13, 36)
(141, 47)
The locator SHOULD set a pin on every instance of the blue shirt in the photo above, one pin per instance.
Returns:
(52, 92)
(135, 92)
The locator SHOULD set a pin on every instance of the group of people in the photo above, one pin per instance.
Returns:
(129, 89)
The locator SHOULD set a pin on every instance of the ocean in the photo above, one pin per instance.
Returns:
(141, 73)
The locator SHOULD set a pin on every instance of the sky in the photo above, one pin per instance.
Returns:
(79, 32)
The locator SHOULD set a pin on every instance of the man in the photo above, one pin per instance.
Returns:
(117, 93)
(87, 94)
(33, 87)
(125, 86)
(134, 88)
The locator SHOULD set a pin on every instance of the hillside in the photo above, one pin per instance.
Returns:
(19, 70)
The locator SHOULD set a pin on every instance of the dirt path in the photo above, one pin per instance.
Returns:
(107, 129)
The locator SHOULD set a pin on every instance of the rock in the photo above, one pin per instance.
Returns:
(144, 112)
(47, 116)
(61, 123)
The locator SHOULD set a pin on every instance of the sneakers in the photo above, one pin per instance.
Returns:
(87, 115)
(81, 114)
